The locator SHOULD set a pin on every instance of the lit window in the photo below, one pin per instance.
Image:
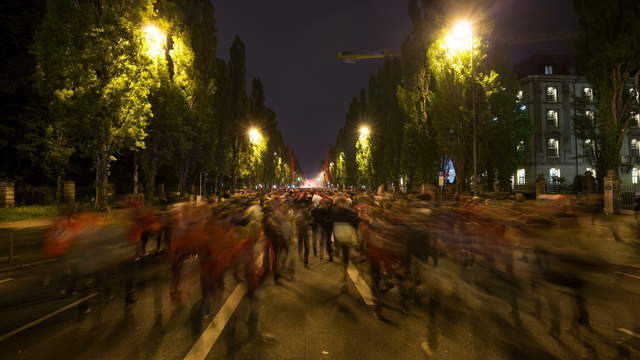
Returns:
(634, 175)
(553, 148)
(522, 179)
(634, 147)
(554, 176)
(588, 145)
(519, 96)
(635, 120)
(552, 94)
(548, 70)
(592, 171)
(589, 114)
(587, 93)
(552, 118)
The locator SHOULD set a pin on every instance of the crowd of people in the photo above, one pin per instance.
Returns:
(399, 240)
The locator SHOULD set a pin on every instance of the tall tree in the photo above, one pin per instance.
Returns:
(609, 44)
(93, 64)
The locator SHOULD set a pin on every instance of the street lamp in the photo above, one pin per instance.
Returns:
(460, 39)
(155, 40)
(255, 137)
(364, 132)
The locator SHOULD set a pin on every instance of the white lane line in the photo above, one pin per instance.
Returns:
(628, 275)
(360, 284)
(6, 280)
(48, 316)
(629, 332)
(205, 342)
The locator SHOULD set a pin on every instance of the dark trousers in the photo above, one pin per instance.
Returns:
(303, 244)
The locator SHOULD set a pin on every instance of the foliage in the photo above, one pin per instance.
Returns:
(609, 46)
(27, 212)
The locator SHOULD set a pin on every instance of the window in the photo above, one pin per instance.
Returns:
(552, 118)
(591, 170)
(588, 146)
(634, 148)
(552, 94)
(635, 120)
(548, 70)
(587, 93)
(554, 176)
(522, 179)
(634, 175)
(553, 148)
(589, 114)
(519, 96)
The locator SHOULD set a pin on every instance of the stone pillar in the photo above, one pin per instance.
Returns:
(611, 193)
(69, 192)
(541, 185)
(7, 194)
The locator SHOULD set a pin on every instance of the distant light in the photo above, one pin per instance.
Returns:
(523, 107)
(495, 118)
(365, 131)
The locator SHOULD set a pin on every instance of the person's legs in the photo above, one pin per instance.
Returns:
(305, 245)
(315, 233)
(329, 245)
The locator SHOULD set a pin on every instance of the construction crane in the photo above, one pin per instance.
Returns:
(350, 57)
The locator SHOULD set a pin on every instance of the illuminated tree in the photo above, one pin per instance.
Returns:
(92, 64)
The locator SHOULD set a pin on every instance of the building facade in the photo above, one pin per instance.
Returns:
(548, 87)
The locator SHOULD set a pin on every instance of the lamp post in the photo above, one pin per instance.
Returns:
(460, 39)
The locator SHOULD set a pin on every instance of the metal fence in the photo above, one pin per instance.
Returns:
(35, 195)
(626, 194)
(560, 189)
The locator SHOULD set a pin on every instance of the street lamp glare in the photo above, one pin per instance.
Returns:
(365, 131)
(254, 136)
(460, 38)
(155, 40)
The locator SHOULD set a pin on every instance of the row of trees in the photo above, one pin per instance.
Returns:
(420, 106)
(135, 87)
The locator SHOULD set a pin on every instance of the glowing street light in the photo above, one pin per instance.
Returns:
(255, 137)
(364, 131)
(459, 39)
(155, 40)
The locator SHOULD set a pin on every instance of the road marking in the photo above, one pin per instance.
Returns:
(627, 274)
(205, 342)
(360, 284)
(48, 316)
(6, 280)
(629, 332)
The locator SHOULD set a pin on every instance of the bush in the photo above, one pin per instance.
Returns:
(27, 212)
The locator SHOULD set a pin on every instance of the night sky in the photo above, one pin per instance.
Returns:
(292, 46)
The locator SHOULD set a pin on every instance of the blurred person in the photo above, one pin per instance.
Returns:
(303, 222)
(344, 222)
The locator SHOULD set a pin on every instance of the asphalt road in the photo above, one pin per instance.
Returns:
(457, 313)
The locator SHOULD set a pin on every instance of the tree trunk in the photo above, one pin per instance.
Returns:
(135, 172)
(102, 177)
(150, 170)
